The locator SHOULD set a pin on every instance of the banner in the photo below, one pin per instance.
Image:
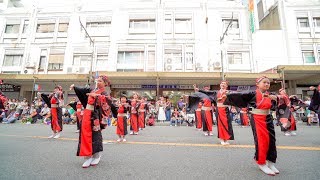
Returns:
(251, 15)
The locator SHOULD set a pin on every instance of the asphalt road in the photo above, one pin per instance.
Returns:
(159, 152)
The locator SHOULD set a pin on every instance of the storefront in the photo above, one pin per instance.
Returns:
(10, 90)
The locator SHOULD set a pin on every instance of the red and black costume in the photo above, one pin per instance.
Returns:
(122, 129)
(53, 102)
(284, 114)
(95, 109)
(224, 120)
(315, 103)
(261, 122)
(3, 100)
(244, 117)
(142, 110)
(198, 116)
(77, 106)
(134, 126)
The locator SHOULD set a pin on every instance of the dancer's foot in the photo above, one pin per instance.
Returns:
(272, 167)
(57, 135)
(87, 162)
(96, 159)
(53, 135)
(287, 134)
(264, 168)
(293, 133)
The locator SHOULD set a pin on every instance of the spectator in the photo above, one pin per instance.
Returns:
(33, 114)
(66, 118)
(175, 117)
(183, 115)
(44, 111)
(2, 115)
(168, 110)
(11, 118)
(308, 112)
(12, 104)
(180, 104)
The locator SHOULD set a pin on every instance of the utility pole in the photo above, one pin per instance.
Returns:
(93, 49)
(221, 42)
(34, 82)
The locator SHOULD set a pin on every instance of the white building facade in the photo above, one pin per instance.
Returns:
(128, 35)
(289, 33)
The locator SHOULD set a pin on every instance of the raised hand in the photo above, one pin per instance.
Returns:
(312, 88)
(72, 87)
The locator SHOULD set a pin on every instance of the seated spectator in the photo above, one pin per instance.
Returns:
(44, 111)
(184, 117)
(47, 119)
(11, 118)
(2, 115)
(175, 117)
(66, 118)
(33, 115)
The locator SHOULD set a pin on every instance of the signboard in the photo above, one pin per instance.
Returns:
(9, 88)
(251, 15)
(150, 86)
(37, 87)
(242, 88)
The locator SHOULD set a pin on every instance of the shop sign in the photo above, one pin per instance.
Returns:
(9, 88)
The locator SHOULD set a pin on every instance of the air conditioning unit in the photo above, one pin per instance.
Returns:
(199, 67)
(69, 70)
(83, 70)
(30, 65)
(28, 71)
(168, 67)
(217, 65)
(75, 70)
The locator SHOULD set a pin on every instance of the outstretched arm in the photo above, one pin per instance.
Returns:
(239, 99)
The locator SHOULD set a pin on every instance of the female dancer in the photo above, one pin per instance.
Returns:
(54, 101)
(261, 122)
(90, 137)
(134, 126)
(123, 108)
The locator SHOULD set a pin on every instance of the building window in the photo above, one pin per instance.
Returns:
(102, 60)
(168, 24)
(56, 59)
(45, 28)
(235, 58)
(12, 60)
(151, 58)
(183, 25)
(130, 61)
(43, 59)
(308, 56)
(142, 24)
(316, 22)
(94, 28)
(25, 26)
(83, 60)
(234, 23)
(12, 28)
(303, 22)
(63, 27)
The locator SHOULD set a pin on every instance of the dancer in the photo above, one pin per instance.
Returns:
(90, 137)
(123, 108)
(54, 101)
(3, 101)
(261, 122)
(198, 116)
(206, 109)
(315, 101)
(224, 120)
(134, 103)
(77, 106)
(244, 118)
(143, 108)
(284, 114)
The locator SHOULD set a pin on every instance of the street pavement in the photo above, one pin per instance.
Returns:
(159, 152)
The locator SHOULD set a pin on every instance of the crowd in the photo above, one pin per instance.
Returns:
(31, 113)
(162, 110)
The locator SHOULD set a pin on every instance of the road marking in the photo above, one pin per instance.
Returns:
(303, 148)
